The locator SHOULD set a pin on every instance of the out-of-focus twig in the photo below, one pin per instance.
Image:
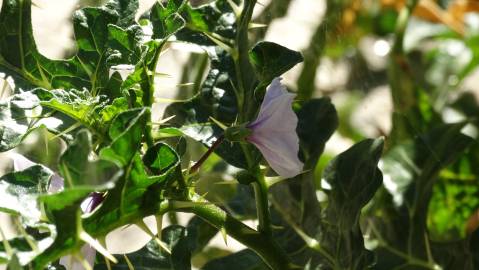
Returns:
(274, 10)
(312, 54)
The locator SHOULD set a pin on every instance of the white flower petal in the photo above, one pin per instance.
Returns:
(280, 151)
(275, 89)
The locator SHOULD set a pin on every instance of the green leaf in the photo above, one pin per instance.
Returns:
(166, 21)
(243, 260)
(176, 238)
(271, 60)
(126, 10)
(18, 52)
(140, 187)
(21, 249)
(77, 168)
(199, 234)
(64, 211)
(20, 191)
(126, 132)
(15, 123)
(101, 44)
(137, 194)
(79, 105)
(414, 165)
(217, 97)
(412, 168)
(317, 120)
(20, 114)
(160, 158)
(58, 111)
(105, 36)
(216, 17)
(350, 180)
(14, 263)
(456, 194)
(139, 86)
(63, 208)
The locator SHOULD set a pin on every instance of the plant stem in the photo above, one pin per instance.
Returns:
(205, 156)
(312, 55)
(401, 80)
(260, 243)
(260, 188)
(244, 71)
(149, 90)
(245, 96)
(262, 206)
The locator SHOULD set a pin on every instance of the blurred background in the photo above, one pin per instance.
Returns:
(346, 46)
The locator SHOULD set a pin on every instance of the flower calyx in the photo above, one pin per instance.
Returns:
(237, 133)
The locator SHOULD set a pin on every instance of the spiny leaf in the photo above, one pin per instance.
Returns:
(101, 44)
(126, 133)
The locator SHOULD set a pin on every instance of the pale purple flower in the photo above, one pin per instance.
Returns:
(274, 131)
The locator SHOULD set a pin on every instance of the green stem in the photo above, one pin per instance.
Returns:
(312, 54)
(401, 80)
(245, 96)
(149, 91)
(244, 71)
(262, 206)
(402, 22)
(260, 243)
(260, 188)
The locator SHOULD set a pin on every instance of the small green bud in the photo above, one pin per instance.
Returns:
(244, 177)
(237, 133)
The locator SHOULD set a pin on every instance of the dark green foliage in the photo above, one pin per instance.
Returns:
(271, 60)
(352, 179)
(244, 259)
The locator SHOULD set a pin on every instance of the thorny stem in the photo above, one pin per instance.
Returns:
(244, 75)
(260, 188)
(245, 96)
(260, 243)
(262, 206)
(149, 95)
